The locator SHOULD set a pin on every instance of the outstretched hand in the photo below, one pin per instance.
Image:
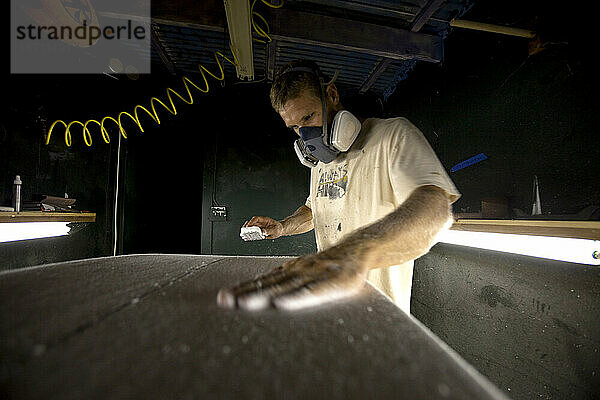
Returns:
(303, 282)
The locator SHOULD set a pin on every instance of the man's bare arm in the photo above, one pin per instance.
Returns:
(403, 235)
(299, 222)
(340, 271)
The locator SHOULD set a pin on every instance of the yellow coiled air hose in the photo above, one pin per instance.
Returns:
(87, 136)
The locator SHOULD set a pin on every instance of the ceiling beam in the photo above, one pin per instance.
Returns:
(314, 29)
(339, 33)
(505, 30)
(418, 22)
(161, 51)
(425, 14)
(271, 59)
(205, 12)
(375, 73)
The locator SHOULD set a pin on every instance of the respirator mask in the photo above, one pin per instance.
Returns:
(324, 143)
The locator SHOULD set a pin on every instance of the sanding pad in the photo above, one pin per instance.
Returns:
(252, 233)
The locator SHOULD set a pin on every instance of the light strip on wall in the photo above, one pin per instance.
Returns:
(240, 35)
(554, 248)
(13, 231)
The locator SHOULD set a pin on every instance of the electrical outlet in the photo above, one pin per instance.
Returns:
(218, 213)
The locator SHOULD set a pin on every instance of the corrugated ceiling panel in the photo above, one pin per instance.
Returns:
(352, 67)
(396, 72)
(187, 47)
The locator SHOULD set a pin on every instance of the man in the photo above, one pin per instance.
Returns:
(375, 207)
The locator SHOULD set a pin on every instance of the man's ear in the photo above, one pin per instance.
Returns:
(332, 93)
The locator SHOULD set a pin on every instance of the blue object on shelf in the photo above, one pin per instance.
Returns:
(473, 160)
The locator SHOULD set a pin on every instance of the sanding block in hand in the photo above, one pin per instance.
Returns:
(252, 233)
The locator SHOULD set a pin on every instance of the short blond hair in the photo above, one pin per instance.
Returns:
(289, 84)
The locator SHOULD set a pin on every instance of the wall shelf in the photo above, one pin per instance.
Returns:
(47, 216)
(569, 229)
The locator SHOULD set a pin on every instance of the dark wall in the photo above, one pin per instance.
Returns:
(251, 169)
(85, 173)
(530, 115)
(162, 196)
(530, 325)
(227, 149)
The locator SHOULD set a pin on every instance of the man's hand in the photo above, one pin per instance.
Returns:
(299, 222)
(306, 281)
(272, 228)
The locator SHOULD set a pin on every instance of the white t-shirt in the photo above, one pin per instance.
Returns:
(387, 162)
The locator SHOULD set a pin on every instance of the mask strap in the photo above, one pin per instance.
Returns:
(299, 69)
(335, 75)
(324, 103)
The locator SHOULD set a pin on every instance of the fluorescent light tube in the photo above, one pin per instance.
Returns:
(240, 35)
(13, 231)
(555, 248)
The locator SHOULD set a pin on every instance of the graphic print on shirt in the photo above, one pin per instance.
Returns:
(333, 182)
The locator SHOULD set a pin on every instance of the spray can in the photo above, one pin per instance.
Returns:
(17, 194)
